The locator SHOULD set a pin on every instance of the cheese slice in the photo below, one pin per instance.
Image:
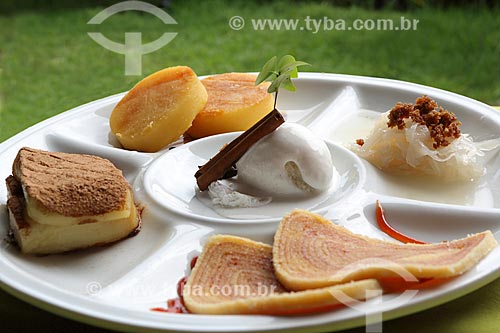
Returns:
(37, 213)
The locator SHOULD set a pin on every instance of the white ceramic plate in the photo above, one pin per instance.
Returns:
(116, 286)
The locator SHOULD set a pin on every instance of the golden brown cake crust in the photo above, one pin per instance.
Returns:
(71, 184)
(232, 90)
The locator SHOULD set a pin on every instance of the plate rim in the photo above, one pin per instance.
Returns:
(74, 311)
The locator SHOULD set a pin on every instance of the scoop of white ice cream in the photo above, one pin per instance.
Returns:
(292, 160)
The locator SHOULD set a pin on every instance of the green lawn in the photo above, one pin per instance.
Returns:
(48, 64)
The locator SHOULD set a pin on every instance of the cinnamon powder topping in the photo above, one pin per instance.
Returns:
(443, 125)
(71, 184)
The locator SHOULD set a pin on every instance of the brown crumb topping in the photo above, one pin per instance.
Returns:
(443, 125)
(360, 142)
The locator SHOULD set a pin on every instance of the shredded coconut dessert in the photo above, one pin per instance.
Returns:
(424, 139)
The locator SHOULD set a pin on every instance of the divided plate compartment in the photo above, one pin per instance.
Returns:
(116, 286)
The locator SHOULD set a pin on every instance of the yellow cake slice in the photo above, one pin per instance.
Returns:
(60, 202)
(234, 104)
(312, 252)
(158, 109)
(235, 275)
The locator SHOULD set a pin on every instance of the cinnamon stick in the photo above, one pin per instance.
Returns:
(223, 161)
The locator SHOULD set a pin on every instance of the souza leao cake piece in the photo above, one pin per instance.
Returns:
(158, 109)
(234, 103)
(60, 202)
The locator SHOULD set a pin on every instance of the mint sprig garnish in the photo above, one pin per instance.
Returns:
(280, 74)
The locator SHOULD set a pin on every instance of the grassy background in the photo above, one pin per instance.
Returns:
(48, 64)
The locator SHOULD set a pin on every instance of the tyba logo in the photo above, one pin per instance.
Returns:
(133, 49)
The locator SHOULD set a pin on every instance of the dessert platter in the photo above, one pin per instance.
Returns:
(125, 283)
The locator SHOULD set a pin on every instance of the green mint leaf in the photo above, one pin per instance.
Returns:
(271, 77)
(267, 71)
(285, 60)
(288, 84)
(276, 83)
(280, 73)
(291, 66)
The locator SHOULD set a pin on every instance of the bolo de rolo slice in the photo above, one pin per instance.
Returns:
(312, 252)
(235, 275)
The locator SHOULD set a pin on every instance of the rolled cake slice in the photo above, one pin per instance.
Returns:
(235, 276)
(234, 104)
(312, 252)
(60, 202)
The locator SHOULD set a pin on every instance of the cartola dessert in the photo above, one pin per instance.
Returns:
(60, 202)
